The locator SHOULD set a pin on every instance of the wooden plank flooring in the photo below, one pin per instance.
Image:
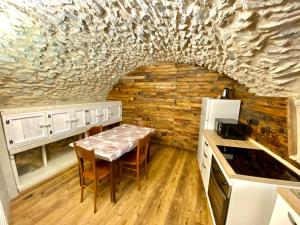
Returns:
(173, 194)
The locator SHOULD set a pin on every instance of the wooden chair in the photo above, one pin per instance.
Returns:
(144, 123)
(136, 160)
(90, 169)
(94, 130)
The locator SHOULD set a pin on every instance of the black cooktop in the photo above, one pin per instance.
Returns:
(257, 163)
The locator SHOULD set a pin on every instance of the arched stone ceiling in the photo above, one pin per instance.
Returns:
(75, 50)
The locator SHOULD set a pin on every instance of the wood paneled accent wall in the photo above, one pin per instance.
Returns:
(168, 98)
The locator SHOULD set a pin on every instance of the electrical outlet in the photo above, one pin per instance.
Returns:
(253, 121)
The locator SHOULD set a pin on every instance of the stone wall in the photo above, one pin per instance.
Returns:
(55, 52)
(168, 98)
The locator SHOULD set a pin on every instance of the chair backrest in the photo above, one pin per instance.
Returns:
(94, 130)
(142, 148)
(143, 123)
(84, 155)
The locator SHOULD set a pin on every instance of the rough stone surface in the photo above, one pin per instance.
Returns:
(75, 51)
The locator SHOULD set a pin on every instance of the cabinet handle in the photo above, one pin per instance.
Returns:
(68, 121)
(291, 219)
(99, 115)
(205, 155)
(203, 166)
(45, 125)
(206, 144)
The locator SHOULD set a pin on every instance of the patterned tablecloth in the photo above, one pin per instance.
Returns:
(113, 143)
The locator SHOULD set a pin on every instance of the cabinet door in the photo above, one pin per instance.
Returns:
(93, 116)
(22, 129)
(60, 121)
(79, 119)
(103, 114)
(115, 111)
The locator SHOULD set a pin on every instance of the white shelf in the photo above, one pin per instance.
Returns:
(56, 164)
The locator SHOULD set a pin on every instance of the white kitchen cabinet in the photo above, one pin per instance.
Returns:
(115, 111)
(38, 126)
(80, 120)
(92, 116)
(25, 128)
(251, 198)
(284, 214)
(205, 165)
(104, 114)
(60, 121)
(111, 113)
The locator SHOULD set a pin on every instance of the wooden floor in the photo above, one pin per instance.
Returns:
(173, 194)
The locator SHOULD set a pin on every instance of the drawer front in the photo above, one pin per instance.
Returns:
(205, 165)
(206, 153)
(205, 172)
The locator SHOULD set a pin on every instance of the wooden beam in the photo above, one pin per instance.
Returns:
(292, 127)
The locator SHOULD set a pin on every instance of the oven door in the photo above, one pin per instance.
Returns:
(218, 193)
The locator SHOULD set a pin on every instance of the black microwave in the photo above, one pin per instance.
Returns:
(230, 129)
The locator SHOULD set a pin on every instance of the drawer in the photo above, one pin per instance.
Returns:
(205, 172)
(206, 154)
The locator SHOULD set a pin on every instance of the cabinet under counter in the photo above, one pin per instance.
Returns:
(252, 198)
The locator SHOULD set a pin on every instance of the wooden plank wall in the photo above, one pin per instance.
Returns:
(168, 98)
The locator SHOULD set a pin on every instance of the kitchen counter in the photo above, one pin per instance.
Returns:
(252, 186)
(214, 140)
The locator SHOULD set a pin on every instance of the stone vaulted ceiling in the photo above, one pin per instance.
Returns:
(76, 50)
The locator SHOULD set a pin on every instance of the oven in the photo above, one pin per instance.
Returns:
(218, 193)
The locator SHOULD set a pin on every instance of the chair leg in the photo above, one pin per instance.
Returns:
(95, 195)
(81, 193)
(81, 188)
(148, 154)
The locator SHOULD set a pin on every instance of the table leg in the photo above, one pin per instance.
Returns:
(148, 154)
(113, 181)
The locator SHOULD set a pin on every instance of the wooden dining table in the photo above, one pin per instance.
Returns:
(110, 145)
